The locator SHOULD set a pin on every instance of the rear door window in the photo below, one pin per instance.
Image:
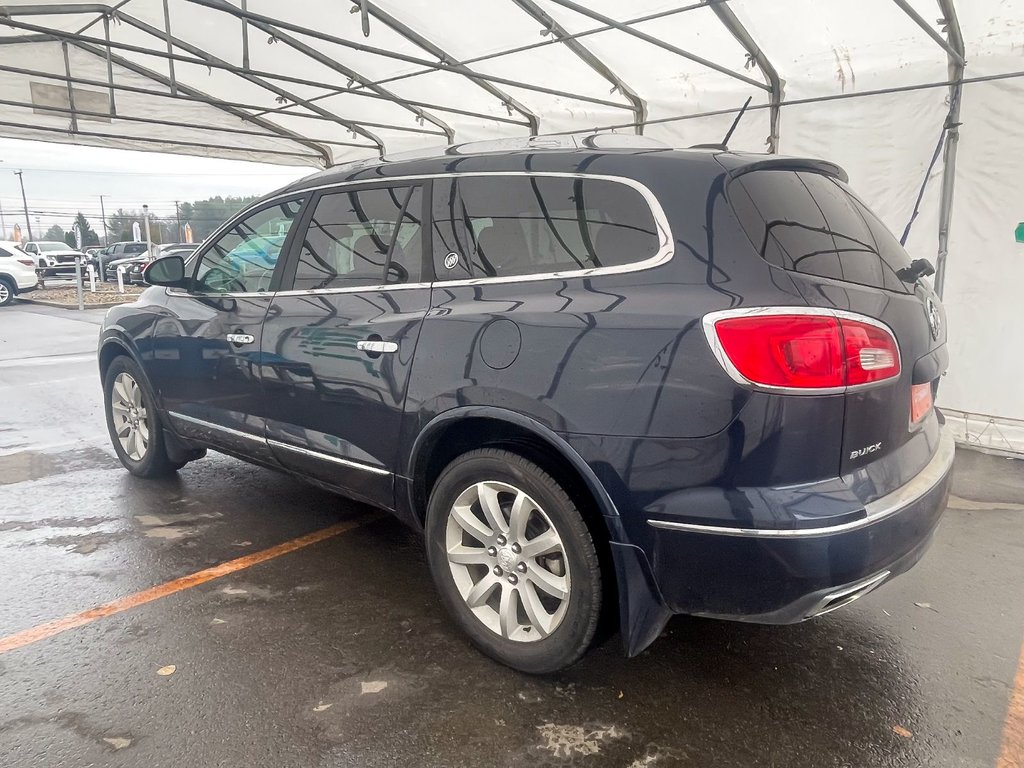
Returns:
(362, 237)
(506, 226)
(811, 223)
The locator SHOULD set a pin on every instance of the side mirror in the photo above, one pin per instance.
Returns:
(168, 271)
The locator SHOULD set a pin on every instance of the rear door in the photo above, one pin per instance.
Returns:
(339, 340)
(841, 256)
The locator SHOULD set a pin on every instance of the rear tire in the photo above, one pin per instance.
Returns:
(133, 422)
(513, 560)
(7, 292)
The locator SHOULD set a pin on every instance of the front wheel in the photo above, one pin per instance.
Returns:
(513, 561)
(133, 423)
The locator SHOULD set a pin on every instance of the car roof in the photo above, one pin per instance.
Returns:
(464, 159)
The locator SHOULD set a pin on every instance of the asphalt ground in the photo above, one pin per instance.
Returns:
(180, 623)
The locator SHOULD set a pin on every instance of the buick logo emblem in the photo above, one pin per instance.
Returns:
(934, 318)
(451, 260)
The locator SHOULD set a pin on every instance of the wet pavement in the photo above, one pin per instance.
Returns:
(338, 654)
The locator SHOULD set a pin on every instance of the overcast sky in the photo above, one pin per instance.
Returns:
(61, 179)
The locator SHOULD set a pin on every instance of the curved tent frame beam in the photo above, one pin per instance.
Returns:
(775, 83)
(434, 50)
(657, 42)
(315, 55)
(589, 58)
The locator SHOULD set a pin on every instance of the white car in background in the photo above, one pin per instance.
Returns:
(53, 257)
(17, 272)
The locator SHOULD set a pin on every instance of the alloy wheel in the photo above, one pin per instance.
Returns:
(131, 420)
(508, 561)
(5, 293)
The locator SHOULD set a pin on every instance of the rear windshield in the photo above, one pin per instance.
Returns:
(811, 223)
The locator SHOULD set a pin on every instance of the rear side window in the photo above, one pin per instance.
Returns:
(133, 248)
(362, 237)
(812, 223)
(504, 226)
(5, 252)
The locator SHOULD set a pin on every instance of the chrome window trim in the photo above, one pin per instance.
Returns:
(662, 256)
(217, 427)
(875, 511)
(709, 320)
(328, 457)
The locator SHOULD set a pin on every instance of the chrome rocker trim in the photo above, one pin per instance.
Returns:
(279, 444)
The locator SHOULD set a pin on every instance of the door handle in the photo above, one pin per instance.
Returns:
(377, 345)
(241, 338)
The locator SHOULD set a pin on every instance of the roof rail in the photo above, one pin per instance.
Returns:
(566, 142)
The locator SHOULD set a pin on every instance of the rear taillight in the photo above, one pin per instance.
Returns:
(27, 262)
(801, 350)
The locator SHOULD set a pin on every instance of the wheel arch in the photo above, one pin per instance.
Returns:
(112, 346)
(456, 431)
(629, 582)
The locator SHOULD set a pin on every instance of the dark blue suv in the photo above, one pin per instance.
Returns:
(603, 381)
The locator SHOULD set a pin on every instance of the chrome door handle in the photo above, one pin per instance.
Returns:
(377, 346)
(241, 338)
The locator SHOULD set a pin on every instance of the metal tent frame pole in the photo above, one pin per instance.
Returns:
(589, 58)
(657, 42)
(775, 83)
(435, 50)
(957, 65)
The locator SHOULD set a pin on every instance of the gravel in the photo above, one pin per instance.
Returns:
(67, 295)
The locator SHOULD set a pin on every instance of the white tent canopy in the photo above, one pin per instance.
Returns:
(871, 84)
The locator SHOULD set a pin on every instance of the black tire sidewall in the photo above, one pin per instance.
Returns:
(154, 463)
(11, 292)
(573, 635)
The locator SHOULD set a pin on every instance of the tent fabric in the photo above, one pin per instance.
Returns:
(301, 84)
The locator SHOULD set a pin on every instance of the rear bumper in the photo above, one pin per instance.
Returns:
(778, 576)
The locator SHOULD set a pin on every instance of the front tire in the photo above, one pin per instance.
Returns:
(513, 560)
(133, 423)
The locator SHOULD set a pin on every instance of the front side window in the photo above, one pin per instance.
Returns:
(243, 259)
(362, 237)
(504, 226)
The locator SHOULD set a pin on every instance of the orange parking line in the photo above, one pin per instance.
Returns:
(51, 628)
(1012, 754)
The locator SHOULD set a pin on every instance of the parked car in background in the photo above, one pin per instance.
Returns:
(611, 380)
(115, 251)
(53, 257)
(134, 266)
(17, 272)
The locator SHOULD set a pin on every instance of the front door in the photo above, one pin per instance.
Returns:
(204, 356)
(339, 338)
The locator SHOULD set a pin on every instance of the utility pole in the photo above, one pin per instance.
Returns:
(177, 216)
(3, 224)
(103, 213)
(24, 202)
